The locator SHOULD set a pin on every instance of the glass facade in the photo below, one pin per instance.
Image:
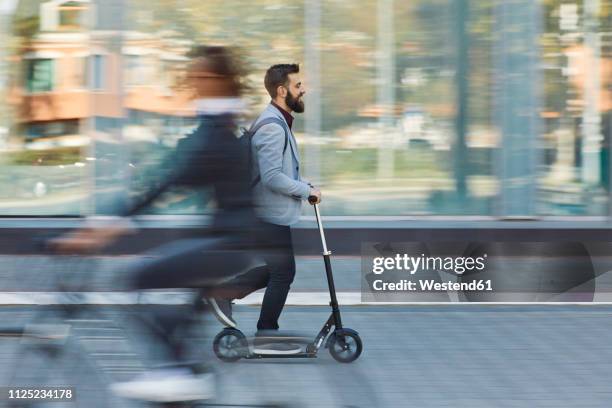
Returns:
(429, 107)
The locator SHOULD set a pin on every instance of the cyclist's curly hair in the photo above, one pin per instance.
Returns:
(224, 61)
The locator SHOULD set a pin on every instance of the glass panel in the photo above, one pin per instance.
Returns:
(434, 107)
(389, 106)
(43, 123)
(576, 47)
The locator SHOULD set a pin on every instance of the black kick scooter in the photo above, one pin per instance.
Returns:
(344, 344)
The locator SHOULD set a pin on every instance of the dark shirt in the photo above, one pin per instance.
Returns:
(286, 114)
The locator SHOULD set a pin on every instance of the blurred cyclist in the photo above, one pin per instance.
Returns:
(211, 156)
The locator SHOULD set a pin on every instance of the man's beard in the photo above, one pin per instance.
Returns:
(295, 104)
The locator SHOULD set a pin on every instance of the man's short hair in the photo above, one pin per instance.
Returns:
(278, 75)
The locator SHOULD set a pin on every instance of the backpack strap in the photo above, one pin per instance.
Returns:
(256, 126)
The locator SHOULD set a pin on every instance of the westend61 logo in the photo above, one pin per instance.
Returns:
(412, 264)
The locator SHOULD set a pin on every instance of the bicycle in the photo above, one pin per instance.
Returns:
(56, 345)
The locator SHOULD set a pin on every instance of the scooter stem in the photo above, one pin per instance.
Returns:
(323, 242)
(335, 318)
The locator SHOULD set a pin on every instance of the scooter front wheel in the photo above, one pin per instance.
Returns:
(345, 347)
(230, 345)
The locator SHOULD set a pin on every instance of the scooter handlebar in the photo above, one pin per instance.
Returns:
(313, 199)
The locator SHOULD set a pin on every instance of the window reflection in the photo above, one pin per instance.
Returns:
(422, 107)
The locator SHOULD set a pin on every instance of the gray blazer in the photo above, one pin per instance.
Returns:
(278, 196)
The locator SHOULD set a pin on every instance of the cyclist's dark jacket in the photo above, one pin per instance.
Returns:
(210, 156)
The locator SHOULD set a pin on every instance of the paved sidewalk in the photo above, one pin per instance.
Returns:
(414, 356)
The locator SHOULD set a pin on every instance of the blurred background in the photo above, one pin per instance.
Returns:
(488, 108)
(432, 112)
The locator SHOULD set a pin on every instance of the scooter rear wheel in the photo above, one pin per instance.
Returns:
(346, 347)
(230, 345)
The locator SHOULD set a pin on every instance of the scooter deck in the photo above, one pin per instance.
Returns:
(255, 356)
(300, 340)
(305, 340)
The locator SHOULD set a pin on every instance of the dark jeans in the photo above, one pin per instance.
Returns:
(276, 248)
(281, 268)
(189, 263)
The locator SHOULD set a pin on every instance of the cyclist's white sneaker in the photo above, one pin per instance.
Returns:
(167, 385)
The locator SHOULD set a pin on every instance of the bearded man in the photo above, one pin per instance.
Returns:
(278, 193)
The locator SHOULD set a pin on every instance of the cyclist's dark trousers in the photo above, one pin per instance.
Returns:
(189, 263)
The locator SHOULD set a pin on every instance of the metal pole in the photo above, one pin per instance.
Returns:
(312, 22)
(110, 18)
(385, 87)
(4, 37)
(518, 101)
(328, 272)
(591, 127)
(609, 147)
(462, 82)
